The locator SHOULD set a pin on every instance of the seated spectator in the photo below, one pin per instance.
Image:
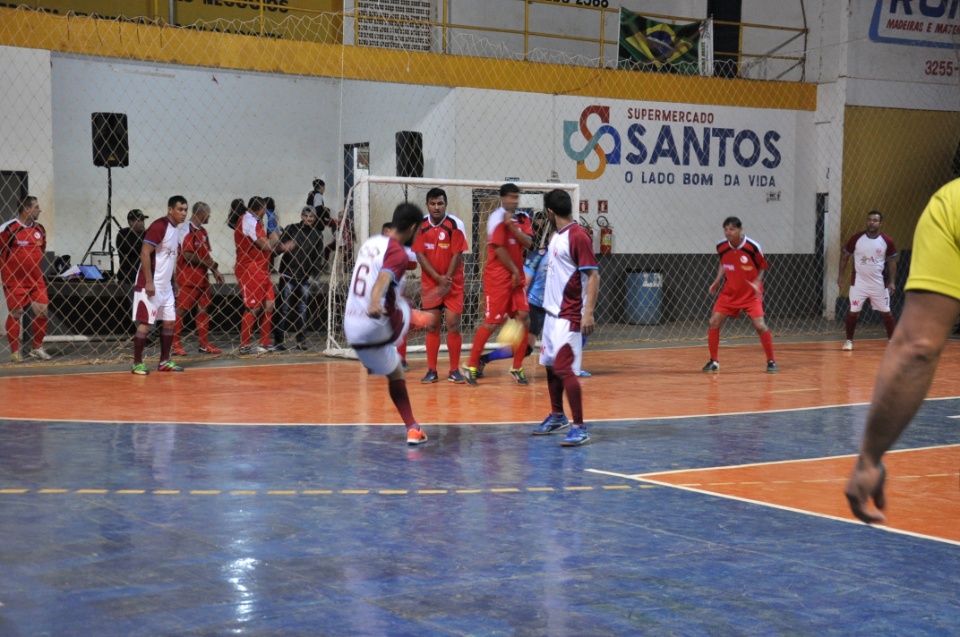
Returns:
(298, 271)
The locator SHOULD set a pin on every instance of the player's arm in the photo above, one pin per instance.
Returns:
(844, 258)
(384, 280)
(593, 287)
(504, 257)
(145, 252)
(522, 237)
(717, 281)
(454, 264)
(428, 269)
(892, 265)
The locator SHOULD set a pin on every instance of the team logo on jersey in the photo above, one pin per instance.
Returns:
(743, 258)
(36, 234)
(442, 235)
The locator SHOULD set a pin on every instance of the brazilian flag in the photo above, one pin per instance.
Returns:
(667, 47)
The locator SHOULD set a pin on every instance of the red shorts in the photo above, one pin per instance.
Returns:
(499, 305)
(256, 288)
(20, 296)
(190, 295)
(452, 301)
(753, 309)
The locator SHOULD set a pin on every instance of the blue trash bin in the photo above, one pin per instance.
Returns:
(644, 297)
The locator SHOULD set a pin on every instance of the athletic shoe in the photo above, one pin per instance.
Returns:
(431, 377)
(210, 349)
(15, 357)
(169, 366)
(772, 367)
(480, 366)
(551, 424)
(279, 347)
(177, 350)
(712, 366)
(404, 365)
(140, 369)
(584, 374)
(470, 374)
(252, 350)
(416, 436)
(577, 436)
(302, 346)
(456, 377)
(37, 352)
(519, 376)
(847, 346)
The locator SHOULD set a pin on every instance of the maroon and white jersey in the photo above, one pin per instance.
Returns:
(869, 259)
(570, 253)
(164, 237)
(377, 254)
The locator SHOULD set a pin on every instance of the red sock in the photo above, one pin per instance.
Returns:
(40, 330)
(889, 322)
(483, 334)
(766, 339)
(246, 328)
(851, 324)
(402, 348)
(713, 342)
(400, 398)
(433, 349)
(203, 327)
(13, 333)
(521, 351)
(266, 328)
(139, 343)
(454, 345)
(555, 389)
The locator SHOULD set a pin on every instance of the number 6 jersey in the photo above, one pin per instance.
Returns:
(377, 254)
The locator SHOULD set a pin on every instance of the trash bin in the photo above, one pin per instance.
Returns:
(644, 297)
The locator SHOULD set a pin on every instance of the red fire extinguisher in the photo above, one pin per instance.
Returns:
(606, 235)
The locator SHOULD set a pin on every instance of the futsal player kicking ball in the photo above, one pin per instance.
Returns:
(156, 286)
(570, 295)
(377, 316)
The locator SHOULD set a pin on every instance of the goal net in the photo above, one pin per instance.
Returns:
(370, 204)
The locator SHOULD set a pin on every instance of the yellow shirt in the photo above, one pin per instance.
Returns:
(935, 266)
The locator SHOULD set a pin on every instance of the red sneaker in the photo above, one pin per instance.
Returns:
(210, 349)
(178, 350)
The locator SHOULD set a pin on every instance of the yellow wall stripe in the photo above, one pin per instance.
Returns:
(89, 36)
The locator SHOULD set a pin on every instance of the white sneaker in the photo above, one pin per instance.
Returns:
(847, 346)
(37, 352)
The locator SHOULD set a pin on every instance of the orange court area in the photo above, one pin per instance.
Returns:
(626, 384)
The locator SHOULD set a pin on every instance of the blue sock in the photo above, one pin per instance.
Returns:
(503, 352)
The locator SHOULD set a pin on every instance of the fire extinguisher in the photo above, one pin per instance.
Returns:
(606, 235)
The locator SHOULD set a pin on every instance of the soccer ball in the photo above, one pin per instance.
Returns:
(511, 334)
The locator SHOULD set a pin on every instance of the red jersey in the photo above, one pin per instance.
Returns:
(250, 258)
(439, 244)
(496, 275)
(21, 253)
(197, 241)
(741, 266)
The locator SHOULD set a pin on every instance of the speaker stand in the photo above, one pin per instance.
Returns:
(105, 229)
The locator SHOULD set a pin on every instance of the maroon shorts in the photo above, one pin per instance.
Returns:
(499, 305)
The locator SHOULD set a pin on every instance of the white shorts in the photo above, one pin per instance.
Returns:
(380, 360)
(879, 299)
(150, 309)
(556, 334)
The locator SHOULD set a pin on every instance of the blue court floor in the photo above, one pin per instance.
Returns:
(140, 529)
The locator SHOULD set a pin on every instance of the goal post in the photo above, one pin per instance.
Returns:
(370, 204)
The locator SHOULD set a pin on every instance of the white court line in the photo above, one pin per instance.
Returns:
(640, 478)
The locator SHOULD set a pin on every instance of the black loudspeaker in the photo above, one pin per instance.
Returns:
(110, 144)
(409, 154)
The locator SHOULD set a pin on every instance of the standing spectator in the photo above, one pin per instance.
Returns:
(377, 316)
(503, 281)
(298, 269)
(23, 242)
(874, 256)
(193, 265)
(315, 196)
(156, 286)
(570, 295)
(907, 368)
(254, 251)
(129, 244)
(439, 246)
(743, 266)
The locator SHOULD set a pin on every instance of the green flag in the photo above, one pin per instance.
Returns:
(669, 47)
